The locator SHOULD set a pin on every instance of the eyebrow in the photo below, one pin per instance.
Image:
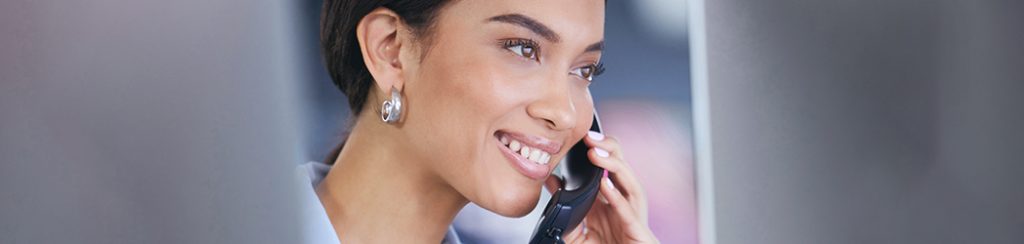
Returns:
(539, 29)
(596, 47)
(528, 23)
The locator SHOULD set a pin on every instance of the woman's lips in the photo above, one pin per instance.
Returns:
(529, 168)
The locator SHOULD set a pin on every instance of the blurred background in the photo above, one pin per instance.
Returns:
(877, 121)
(148, 122)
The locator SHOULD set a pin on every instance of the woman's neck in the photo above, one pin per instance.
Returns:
(376, 194)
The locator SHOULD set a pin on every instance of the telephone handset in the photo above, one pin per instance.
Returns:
(571, 202)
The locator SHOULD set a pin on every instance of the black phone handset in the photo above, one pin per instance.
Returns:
(570, 203)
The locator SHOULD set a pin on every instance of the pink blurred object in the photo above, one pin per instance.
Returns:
(657, 142)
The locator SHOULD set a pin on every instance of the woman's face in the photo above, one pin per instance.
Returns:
(493, 69)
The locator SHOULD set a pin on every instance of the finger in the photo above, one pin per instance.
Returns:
(619, 172)
(602, 157)
(618, 203)
(552, 184)
(576, 236)
(610, 143)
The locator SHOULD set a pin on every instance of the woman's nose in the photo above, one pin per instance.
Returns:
(555, 107)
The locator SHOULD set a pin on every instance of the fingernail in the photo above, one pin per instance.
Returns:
(595, 135)
(608, 182)
(601, 152)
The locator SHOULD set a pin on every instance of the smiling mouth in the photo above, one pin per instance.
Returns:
(534, 155)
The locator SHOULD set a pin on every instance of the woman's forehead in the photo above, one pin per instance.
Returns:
(575, 21)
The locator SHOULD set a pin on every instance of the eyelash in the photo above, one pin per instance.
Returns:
(594, 71)
(509, 44)
(598, 69)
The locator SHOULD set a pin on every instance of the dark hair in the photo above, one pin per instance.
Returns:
(342, 56)
(344, 59)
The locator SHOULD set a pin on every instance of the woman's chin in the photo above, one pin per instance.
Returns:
(513, 203)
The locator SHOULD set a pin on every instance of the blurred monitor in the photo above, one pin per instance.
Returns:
(860, 121)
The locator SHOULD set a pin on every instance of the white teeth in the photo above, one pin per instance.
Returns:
(535, 155)
(532, 154)
(539, 157)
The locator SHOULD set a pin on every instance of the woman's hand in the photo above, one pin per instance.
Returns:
(620, 213)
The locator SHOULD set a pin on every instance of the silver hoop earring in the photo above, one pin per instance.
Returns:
(391, 110)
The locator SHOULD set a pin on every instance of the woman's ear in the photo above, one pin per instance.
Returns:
(380, 41)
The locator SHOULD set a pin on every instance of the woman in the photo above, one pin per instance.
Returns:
(442, 92)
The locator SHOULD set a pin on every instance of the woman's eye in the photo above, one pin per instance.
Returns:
(588, 72)
(585, 72)
(522, 47)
